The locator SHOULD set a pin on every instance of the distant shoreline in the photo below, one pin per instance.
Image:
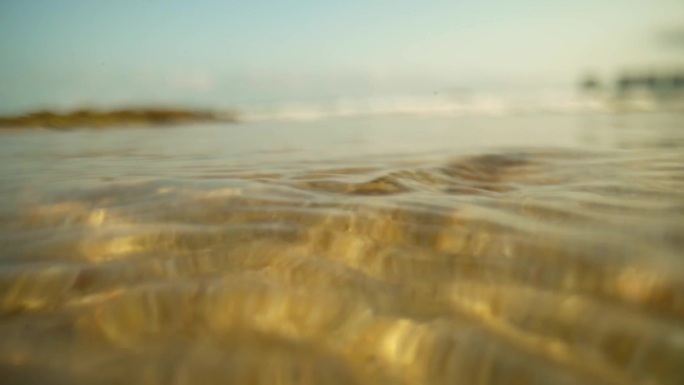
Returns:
(91, 118)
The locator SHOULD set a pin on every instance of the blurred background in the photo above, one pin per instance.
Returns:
(309, 59)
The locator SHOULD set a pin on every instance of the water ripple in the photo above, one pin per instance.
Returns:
(512, 267)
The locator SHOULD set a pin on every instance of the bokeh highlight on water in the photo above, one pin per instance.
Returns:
(541, 249)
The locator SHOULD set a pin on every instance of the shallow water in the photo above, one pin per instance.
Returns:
(394, 250)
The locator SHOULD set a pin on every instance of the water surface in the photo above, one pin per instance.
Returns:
(541, 249)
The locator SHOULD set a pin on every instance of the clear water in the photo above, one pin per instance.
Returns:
(539, 249)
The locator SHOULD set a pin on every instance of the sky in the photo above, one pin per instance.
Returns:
(72, 53)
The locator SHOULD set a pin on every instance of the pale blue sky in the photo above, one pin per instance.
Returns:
(74, 52)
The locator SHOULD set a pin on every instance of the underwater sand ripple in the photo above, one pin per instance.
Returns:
(525, 267)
